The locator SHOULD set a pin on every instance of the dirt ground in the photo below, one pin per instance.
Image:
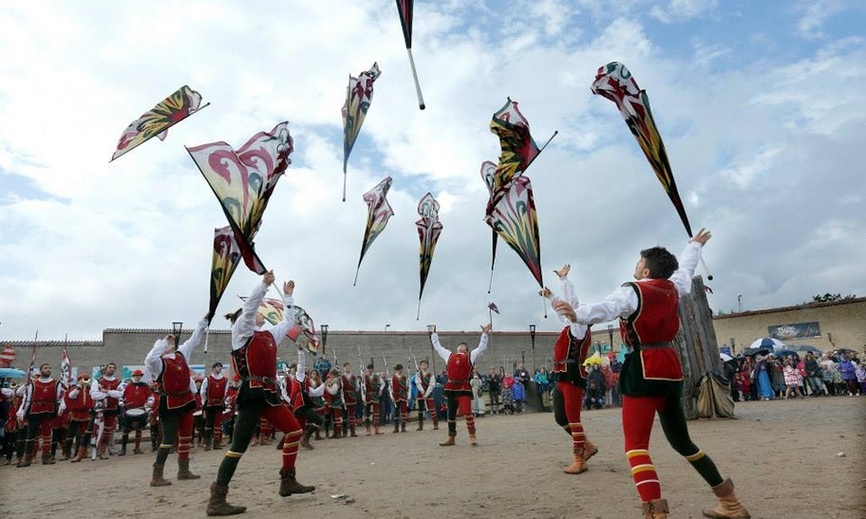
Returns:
(788, 459)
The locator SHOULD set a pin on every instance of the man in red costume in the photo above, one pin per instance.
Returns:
(254, 358)
(351, 390)
(213, 392)
(80, 405)
(169, 364)
(371, 393)
(425, 382)
(651, 380)
(135, 396)
(107, 390)
(399, 391)
(43, 399)
(569, 373)
(458, 391)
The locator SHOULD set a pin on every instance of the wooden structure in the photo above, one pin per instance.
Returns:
(696, 343)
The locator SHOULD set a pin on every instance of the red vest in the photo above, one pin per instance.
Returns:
(656, 320)
(216, 391)
(295, 395)
(44, 397)
(11, 418)
(459, 370)
(174, 382)
(350, 389)
(569, 355)
(372, 384)
(256, 362)
(110, 402)
(400, 388)
(318, 402)
(136, 395)
(80, 406)
(426, 380)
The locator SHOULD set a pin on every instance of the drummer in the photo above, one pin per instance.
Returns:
(135, 396)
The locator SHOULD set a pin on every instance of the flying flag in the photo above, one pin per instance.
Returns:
(7, 356)
(490, 309)
(156, 122)
(405, 9)
(378, 213)
(615, 82)
(511, 209)
(244, 180)
(359, 95)
(429, 229)
(226, 256)
(65, 366)
(273, 311)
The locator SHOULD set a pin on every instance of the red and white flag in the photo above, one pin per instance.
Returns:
(7, 356)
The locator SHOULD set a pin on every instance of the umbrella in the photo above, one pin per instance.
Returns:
(11, 373)
(768, 343)
(725, 357)
(595, 358)
(807, 348)
(748, 352)
(782, 353)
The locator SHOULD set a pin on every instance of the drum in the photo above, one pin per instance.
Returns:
(136, 418)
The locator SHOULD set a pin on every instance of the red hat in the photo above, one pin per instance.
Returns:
(137, 373)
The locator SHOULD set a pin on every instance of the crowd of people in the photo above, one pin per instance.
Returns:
(767, 376)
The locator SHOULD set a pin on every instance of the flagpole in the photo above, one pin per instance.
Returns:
(709, 276)
(421, 104)
(541, 149)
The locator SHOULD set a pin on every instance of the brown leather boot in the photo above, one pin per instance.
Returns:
(402, 426)
(729, 506)
(367, 428)
(449, 442)
(305, 442)
(589, 450)
(217, 505)
(46, 459)
(157, 480)
(183, 470)
(289, 485)
(396, 426)
(352, 429)
(473, 441)
(579, 464)
(376, 430)
(217, 443)
(435, 423)
(80, 455)
(655, 509)
(420, 424)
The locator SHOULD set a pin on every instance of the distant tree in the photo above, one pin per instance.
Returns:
(827, 298)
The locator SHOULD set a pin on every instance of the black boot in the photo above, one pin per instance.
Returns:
(289, 485)
(217, 505)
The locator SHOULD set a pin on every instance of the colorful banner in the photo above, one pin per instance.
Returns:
(787, 332)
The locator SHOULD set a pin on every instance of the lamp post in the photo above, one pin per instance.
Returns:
(610, 335)
(176, 330)
(740, 303)
(532, 338)
(387, 326)
(733, 347)
(324, 337)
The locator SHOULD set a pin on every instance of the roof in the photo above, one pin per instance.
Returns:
(802, 306)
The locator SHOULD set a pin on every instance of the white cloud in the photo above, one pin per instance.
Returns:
(682, 10)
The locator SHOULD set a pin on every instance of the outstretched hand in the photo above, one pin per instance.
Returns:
(289, 287)
(563, 272)
(566, 310)
(487, 328)
(702, 237)
(545, 293)
(268, 278)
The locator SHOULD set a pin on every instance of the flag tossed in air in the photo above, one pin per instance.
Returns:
(378, 213)
(65, 367)
(273, 311)
(226, 256)
(405, 9)
(244, 180)
(616, 83)
(359, 95)
(511, 209)
(156, 122)
(429, 229)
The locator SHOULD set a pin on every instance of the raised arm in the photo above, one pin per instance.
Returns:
(245, 324)
(482, 343)
(688, 261)
(152, 360)
(437, 346)
(194, 340)
(279, 331)
(301, 370)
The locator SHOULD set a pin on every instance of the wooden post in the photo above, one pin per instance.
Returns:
(696, 343)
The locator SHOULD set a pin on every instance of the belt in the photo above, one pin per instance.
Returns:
(266, 380)
(655, 345)
(458, 381)
(181, 393)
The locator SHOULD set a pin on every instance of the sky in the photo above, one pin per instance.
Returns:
(758, 104)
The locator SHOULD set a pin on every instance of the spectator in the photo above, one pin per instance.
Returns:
(477, 392)
(813, 375)
(765, 387)
(506, 395)
(518, 392)
(746, 374)
(494, 387)
(522, 374)
(611, 380)
(543, 386)
(847, 371)
(828, 366)
(594, 397)
(793, 379)
(860, 372)
(777, 375)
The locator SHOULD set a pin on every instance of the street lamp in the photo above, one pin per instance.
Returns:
(176, 330)
(387, 326)
(740, 303)
(324, 337)
(610, 335)
(532, 338)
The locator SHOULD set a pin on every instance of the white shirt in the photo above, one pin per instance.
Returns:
(204, 384)
(473, 355)
(153, 360)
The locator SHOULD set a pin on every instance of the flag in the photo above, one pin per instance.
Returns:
(156, 122)
(7, 356)
(429, 229)
(244, 180)
(359, 95)
(405, 8)
(614, 81)
(226, 256)
(378, 213)
(65, 367)
(273, 311)
(492, 306)
(511, 209)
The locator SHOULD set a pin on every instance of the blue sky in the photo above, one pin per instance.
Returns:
(758, 103)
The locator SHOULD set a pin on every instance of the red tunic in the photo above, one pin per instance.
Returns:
(426, 380)
(372, 384)
(400, 388)
(296, 395)
(569, 355)
(80, 406)
(459, 370)
(44, 397)
(216, 391)
(650, 330)
(136, 395)
(256, 363)
(174, 382)
(11, 418)
(350, 389)
(111, 403)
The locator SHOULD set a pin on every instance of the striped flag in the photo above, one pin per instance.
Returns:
(7, 356)
(65, 367)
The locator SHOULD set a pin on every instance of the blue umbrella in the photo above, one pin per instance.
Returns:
(769, 343)
(11, 373)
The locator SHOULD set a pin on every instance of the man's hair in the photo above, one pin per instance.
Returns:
(369, 366)
(215, 364)
(233, 316)
(424, 362)
(347, 364)
(398, 367)
(111, 364)
(661, 263)
(43, 365)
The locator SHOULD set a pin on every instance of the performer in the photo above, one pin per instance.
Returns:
(198, 435)
(214, 391)
(107, 391)
(169, 364)
(153, 416)
(651, 380)
(569, 373)
(303, 399)
(351, 389)
(458, 391)
(60, 431)
(43, 398)
(231, 409)
(399, 392)
(135, 396)
(80, 405)
(254, 358)
(425, 382)
(315, 390)
(334, 398)
(10, 426)
(371, 393)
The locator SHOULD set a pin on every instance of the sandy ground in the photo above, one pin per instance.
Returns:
(785, 458)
